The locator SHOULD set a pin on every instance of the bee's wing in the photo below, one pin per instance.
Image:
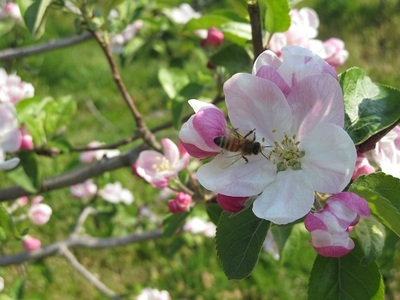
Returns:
(229, 160)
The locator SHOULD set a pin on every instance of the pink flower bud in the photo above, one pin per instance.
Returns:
(30, 243)
(22, 201)
(198, 133)
(214, 38)
(26, 139)
(37, 200)
(232, 204)
(40, 213)
(329, 227)
(181, 203)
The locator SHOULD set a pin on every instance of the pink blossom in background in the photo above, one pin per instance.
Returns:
(387, 153)
(183, 14)
(157, 168)
(292, 105)
(84, 189)
(11, 10)
(26, 139)
(214, 38)
(39, 213)
(13, 89)
(329, 227)
(87, 157)
(198, 133)
(115, 193)
(153, 294)
(303, 27)
(1, 283)
(30, 243)
(117, 41)
(180, 203)
(197, 225)
(22, 201)
(232, 204)
(10, 138)
(363, 167)
(302, 32)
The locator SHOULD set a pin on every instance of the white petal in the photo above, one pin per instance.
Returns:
(238, 180)
(9, 164)
(330, 157)
(257, 103)
(285, 200)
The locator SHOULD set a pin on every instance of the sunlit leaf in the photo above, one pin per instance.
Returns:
(369, 107)
(26, 175)
(172, 80)
(371, 235)
(345, 278)
(58, 114)
(7, 224)
(277, 18)
(239, 241)
(33, 12)
(382, 193)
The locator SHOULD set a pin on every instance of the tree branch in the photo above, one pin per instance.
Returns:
(85, 273)
(142, 128)
(255, 22)
(31, 50)
(76, 176)
(75, 241)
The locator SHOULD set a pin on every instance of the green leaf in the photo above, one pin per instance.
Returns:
(277, 18)
(281, 235)
(214, 211)
(369, 107)
(239, 241)
(234, 58)
(382, 193)
(345, 278)
(237, 32)
(216, 19)
(58, 114)
(371, 235)
(33, 12)
(26, 175)
(172, 80)
(7, 224)
(172, 222)
(176, 106)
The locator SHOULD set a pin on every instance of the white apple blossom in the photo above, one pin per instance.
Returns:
(115, 193)
(296, 110)
(10, 138)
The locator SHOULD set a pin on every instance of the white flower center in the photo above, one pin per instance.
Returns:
(162, 164)
(286, 154)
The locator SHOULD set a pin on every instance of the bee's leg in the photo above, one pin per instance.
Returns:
(246, 159)
(250, 132)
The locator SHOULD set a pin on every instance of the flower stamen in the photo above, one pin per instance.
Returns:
(286, 154)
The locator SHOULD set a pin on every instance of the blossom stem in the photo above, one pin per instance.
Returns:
(255, 22)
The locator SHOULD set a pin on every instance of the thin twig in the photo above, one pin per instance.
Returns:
(85, 273)
(31, 50)
(142, 128)
(255, 22)
(76, 176)
(86, 212)
(80, 241)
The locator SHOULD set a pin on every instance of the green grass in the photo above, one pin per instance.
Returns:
(191, 272)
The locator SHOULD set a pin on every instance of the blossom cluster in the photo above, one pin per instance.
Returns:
(12, 136)
(286, 141)
(303, 31)
(288, 107)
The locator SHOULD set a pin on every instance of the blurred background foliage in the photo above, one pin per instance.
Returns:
(187, 265)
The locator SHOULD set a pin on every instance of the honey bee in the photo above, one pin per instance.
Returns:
(235, 142)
